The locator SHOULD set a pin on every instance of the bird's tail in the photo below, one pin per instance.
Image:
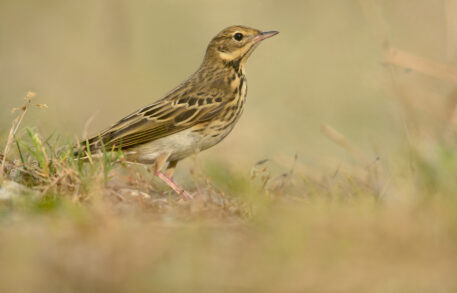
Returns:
(88, 147)
(83, 147)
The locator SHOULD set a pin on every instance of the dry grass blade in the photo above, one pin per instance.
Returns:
(14, 127)
(420, 100)
(420, 64)
(86, 127)
(340, 140)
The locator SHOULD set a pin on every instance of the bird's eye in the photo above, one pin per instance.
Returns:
(238, 36)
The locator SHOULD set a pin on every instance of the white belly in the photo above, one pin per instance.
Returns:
(177, 146)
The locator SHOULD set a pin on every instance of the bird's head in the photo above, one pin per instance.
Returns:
(235, 44)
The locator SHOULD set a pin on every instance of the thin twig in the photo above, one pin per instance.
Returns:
(13, 130)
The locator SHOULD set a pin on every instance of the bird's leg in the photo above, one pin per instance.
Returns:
(186, 195)
(167, 177)
(170, 170)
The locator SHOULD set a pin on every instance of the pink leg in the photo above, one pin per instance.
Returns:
(185, 195)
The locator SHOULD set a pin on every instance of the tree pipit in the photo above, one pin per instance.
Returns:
(194, 116)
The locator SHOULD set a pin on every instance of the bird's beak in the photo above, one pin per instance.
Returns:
(264, 35)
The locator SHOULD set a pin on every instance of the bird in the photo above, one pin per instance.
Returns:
(194, 116)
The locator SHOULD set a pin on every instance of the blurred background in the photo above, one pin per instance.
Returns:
(104, 59)
(363, 92)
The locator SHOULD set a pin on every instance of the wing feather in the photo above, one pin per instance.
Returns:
(167, 116)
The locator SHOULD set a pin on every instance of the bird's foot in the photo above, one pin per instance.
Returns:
(178, 189)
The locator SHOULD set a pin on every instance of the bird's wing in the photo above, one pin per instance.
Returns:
(165, 117)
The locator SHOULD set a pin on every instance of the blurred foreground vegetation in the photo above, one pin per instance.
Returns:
(341, 177)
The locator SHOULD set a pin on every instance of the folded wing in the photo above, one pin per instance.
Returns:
(165, 117)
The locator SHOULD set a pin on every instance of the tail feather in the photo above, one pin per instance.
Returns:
(93, 145)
